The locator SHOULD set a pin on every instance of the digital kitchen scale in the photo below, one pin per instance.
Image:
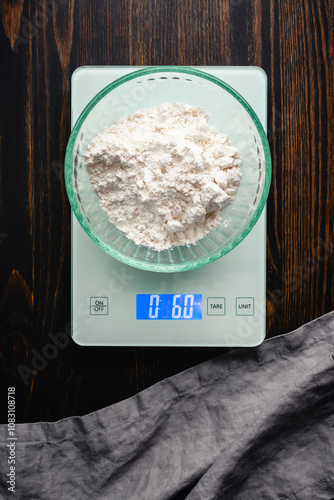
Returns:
(220, 304)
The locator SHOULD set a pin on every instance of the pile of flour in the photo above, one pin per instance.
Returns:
(163, 175)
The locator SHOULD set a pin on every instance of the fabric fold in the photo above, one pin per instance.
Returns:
(254, 423)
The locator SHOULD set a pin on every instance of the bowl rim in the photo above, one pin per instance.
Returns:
(157, 267)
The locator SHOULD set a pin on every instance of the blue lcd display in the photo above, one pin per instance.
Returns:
(168, 306)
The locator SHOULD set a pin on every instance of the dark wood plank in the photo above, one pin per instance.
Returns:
(292, 41)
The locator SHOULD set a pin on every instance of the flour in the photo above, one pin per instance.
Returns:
(163, 175)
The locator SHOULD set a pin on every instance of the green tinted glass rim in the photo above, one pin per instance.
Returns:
(156, 267)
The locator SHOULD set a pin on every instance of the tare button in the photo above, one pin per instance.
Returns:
(244, 306)
(216, 306)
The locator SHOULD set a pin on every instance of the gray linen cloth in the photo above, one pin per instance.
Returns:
(251, 424)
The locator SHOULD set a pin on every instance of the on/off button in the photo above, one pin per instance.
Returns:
(99, 306)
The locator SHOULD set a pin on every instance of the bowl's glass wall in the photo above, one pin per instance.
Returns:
(227, 114)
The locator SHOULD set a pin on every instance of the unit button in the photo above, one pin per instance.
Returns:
(245, 306)
(216, 306)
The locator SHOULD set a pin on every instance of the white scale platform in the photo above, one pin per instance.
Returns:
(104, 290)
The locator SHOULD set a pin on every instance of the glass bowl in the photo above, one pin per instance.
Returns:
(229, 113)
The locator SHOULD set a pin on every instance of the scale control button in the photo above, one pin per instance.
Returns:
(99, 305)
(244, 306)
(216, 306)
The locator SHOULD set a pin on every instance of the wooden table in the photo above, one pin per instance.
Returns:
(41, 44)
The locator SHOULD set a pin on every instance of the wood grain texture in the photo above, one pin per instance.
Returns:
(42, 42)
(11, 13)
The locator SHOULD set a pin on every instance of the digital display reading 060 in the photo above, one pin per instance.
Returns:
(168, 306)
